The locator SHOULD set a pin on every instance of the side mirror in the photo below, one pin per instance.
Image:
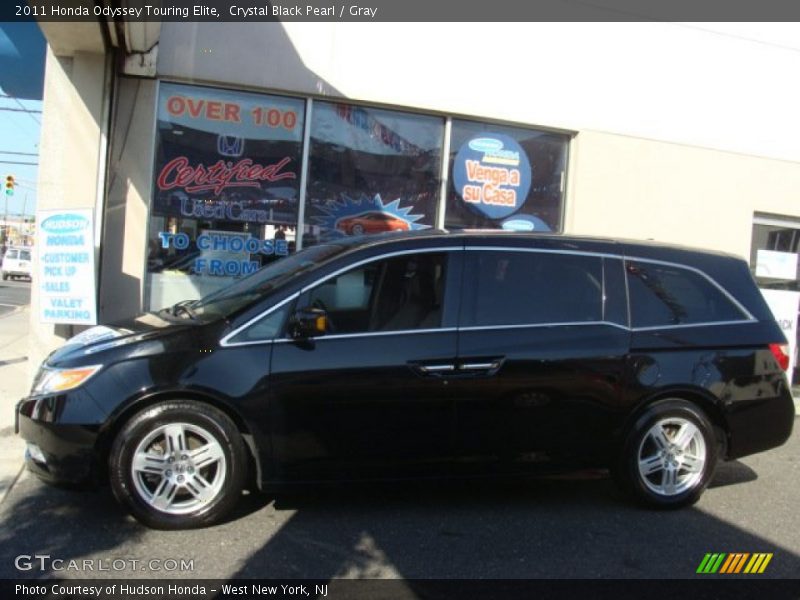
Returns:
(308, 322)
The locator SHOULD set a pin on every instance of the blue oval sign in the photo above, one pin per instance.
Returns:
(518, 225)
(525, 223)
(486, 145)
(65, 223)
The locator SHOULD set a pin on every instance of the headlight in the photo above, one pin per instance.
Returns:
(61, 380)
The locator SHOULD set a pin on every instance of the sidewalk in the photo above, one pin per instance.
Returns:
(13, 386)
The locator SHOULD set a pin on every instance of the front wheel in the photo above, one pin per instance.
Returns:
(669, 455)
(178, 465)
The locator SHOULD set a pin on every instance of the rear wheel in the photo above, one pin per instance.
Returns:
(669, 455)
(5, 276)
(178, 465)
(357, 229)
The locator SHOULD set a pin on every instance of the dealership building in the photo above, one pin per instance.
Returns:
(203, 151)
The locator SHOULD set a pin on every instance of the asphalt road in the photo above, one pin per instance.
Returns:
(578, 527)
(13, 293)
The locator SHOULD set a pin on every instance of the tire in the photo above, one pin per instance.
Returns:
(5, 276)
(357, 229)
(178, 490)
(659, 469)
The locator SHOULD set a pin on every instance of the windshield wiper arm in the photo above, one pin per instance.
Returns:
(184, 306)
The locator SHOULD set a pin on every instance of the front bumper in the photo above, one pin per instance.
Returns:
(67, 450)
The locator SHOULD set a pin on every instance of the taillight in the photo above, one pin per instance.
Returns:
(781, 354)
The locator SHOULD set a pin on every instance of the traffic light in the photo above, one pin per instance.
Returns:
(10, 185)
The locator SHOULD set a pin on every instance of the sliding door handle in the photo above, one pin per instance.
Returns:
(480, 366)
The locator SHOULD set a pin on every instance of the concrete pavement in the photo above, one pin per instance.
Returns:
(14, 384)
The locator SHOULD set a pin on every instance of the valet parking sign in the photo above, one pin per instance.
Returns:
(492, 174)
(66, 267)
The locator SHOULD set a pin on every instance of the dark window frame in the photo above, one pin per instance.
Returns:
(472, 281)
(744, 315)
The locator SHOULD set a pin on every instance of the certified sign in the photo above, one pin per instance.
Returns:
(66, 276)
(492, 174)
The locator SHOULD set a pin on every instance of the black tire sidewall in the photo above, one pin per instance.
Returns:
(195, 413)
(628, 469)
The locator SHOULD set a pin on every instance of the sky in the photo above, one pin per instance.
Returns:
(19, 132)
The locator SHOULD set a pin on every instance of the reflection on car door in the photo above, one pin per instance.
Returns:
(369, 394)
(541, 348)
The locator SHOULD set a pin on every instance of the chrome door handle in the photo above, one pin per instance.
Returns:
(443, 368)
(479, 366)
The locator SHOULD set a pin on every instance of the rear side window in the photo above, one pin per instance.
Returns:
(518, 288)
(12, 254)
(662, 295)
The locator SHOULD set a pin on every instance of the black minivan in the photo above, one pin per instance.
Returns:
(476, 353)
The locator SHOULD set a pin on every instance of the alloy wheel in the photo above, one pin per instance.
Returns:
(178, 468)
(672, 456)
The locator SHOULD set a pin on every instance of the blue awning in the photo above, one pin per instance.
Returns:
(22, 53)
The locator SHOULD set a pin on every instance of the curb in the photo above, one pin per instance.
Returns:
(14, 481)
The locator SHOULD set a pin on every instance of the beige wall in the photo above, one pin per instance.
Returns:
(69, 155)
(623, 186)
(127, 199)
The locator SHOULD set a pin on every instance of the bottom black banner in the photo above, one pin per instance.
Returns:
(400, 589)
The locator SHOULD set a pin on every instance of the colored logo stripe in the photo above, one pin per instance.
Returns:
(758, 563)
(734, 563)
(711, 563)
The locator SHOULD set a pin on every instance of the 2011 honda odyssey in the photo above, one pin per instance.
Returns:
(448, 354)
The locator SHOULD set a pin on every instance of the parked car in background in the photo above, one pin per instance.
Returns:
(16, 263)
(389, 356)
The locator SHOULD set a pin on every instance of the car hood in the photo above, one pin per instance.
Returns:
(101, 338)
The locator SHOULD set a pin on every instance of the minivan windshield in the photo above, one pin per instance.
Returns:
(229, 300)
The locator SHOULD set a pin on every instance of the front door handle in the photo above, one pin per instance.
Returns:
(431, 369)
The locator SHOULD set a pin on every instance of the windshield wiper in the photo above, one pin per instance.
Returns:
(184, 306)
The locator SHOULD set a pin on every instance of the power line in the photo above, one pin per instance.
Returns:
(30, 112)
(15, 162)
(19, 153)
(23, 109)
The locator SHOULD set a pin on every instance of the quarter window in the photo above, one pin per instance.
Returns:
(518, 288)
(399, 293)
(662, 295)
(264, 329)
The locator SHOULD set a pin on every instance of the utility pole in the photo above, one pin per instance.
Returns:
(5, 220)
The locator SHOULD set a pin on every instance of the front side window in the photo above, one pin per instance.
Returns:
(521, 288)
(400, 293)
(663, 295)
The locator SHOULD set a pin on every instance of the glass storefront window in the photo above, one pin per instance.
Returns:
(227, 181)
(505, 177)
(775, 263)
(371, 171)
